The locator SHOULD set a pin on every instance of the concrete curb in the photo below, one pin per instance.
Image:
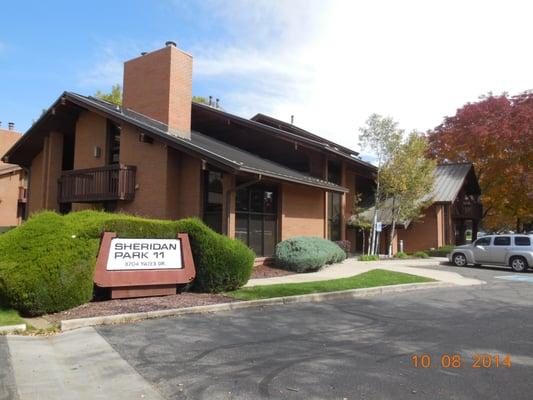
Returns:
(12, 328)
(67, 325)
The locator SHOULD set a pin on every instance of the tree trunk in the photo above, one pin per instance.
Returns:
(517, 225)
(393, 225)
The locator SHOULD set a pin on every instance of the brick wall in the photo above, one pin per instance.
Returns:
(302, 211)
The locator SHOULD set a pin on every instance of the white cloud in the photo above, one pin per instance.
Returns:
(331, 64)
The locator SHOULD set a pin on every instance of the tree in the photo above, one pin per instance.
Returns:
(407, 179)
(495, 134)
(200, 99)
(358, 220)
(381, 135)
(115, 96)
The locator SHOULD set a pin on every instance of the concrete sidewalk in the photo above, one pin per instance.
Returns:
(74, 365)
(351, 267)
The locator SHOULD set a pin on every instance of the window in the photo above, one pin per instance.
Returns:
(257, 218)
(213, 196)
(502, 241)
(334, 216)
(484, 241)
(522, 241)
(113, 143)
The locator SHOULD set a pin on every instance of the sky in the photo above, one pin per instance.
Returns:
(329, 63)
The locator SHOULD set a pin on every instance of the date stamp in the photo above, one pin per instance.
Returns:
(456, 361)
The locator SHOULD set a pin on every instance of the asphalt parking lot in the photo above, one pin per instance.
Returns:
(356, 349)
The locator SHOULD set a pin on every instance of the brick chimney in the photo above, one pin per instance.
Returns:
(159, 85)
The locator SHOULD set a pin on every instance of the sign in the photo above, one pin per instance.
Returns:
(139, 254)
(378, 226)
(143, 267)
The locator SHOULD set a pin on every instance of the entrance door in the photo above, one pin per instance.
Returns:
(256, 221)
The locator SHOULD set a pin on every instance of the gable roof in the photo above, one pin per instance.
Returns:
(449, 179)
(222, 154)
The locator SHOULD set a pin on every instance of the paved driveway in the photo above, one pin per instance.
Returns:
(356, 349)
(353, 349)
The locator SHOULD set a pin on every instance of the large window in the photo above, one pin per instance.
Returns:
(213, 196)
(257, 218)
(113, 143)
(334, 202)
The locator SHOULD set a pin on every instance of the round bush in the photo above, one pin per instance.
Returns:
(47, 264)
(305, 254)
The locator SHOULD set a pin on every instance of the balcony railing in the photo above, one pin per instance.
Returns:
(468, 210)
(112, 182)
(23, 194)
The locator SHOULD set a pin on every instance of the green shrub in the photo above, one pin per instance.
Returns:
(441, 251)
(346, 245)
(47, 264)
(401, 255)
(305, 254)
(421, 254)
(369, 257)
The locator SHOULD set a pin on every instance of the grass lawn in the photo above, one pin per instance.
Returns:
(375, 277)
(9, 317)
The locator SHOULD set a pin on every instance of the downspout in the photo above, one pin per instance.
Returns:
(228, 198)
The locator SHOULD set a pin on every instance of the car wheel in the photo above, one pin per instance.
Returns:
(518, 264)
(459, 260)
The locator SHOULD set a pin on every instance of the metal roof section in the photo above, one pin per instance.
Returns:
(222, 153)
(449, 179)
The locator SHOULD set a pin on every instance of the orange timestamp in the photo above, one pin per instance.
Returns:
(455, 361)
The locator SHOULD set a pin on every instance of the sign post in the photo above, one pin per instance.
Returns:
(143, 267)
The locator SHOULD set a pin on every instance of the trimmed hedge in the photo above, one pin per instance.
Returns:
(401, 255)
(441, 251)
(369, 257)
(306, 254)
(47, 264)
(346, 245)
(421, 254)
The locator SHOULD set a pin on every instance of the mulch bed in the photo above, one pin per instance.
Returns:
(264, 271)
(185, 299)
(126, 306)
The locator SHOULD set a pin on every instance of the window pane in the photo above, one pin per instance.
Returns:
(242, 200)
(483, 241)
(241, 228)
(270, 235)
(256, 234)
(269, 202)
(502, 241)
(334, 216)
(522, 241)
(256, 200)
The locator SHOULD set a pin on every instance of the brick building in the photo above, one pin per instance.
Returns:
(12, 183)
(161, 155)
(455, 208)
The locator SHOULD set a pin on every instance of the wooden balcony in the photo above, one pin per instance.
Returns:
(468, 210)
(23, 194)
(112, 182)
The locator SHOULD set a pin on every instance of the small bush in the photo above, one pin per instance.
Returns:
(401, 255)
(305, 254)
(47, 264)
(369, 257)
(421, 254)
(346, 245)
(441, 251)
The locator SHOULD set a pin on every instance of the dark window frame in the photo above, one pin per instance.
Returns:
(526, 239)
(248, 214)
(111, 146)
(338, 218)
(507, 243)
(212, 209)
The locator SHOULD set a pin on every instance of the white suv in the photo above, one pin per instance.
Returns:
(515, 251)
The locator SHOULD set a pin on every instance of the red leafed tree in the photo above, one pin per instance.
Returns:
(496, 134)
